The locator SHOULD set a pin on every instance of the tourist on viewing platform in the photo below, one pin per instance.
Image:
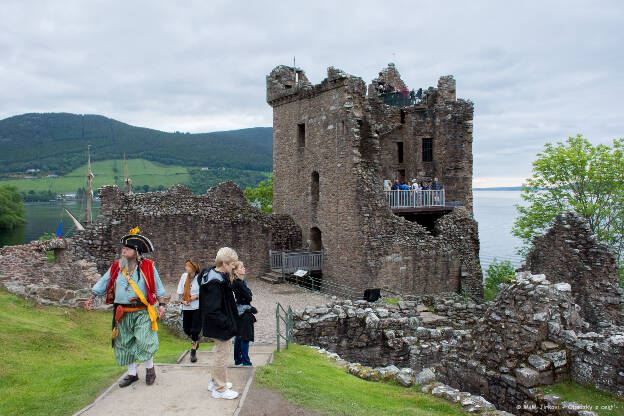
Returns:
(437, 186)
(246, 317)
(219, 315)
(387, 184)
(188, 291)
(395, 186)
(133, 285)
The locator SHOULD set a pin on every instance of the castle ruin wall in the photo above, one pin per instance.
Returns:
(184, 226)
(328, 160)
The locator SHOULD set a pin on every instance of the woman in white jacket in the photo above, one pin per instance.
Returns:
(188, 290)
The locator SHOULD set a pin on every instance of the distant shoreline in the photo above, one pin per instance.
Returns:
(499, 188)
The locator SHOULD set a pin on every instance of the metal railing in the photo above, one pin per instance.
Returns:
(292, 260)
(287, 320)
(400, 99)
(415, 198)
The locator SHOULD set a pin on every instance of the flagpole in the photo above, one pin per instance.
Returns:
(89, 193)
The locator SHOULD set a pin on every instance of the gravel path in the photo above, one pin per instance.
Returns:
(265, 295)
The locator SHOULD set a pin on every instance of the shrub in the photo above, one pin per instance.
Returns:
(497, 273)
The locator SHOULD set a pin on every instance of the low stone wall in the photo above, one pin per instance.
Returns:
(25, 271)
(184, 226)
(462, 313)
(531, 335)
(378, 334)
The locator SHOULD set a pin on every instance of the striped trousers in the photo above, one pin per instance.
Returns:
(136, 340)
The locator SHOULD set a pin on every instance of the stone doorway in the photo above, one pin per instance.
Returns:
(316, 240)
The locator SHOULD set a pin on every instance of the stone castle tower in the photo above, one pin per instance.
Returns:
(333, 146)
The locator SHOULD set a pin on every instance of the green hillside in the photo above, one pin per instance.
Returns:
(57, 143)
(142, 172)
(54, 361)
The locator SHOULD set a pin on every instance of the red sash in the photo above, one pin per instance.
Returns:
(147, 268)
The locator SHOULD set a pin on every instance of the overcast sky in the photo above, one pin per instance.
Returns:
(537, 71)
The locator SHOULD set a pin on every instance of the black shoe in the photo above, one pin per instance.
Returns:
(193, 356)
(127, 380)
(150, 376)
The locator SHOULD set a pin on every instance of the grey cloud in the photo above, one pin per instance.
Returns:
(536, 71)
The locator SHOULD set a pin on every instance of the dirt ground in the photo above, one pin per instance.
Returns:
(265, 402)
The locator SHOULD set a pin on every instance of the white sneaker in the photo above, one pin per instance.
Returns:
(228, 385)
(227, 394)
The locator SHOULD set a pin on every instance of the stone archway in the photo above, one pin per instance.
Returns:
(316, 240)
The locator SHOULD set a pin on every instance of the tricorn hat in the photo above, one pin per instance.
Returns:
(137, 241)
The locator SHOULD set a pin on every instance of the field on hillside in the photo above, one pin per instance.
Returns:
(107, 172)
(141, 171)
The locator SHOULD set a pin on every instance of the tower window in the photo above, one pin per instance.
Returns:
(427, 149)
(400, 151)
(314, 187)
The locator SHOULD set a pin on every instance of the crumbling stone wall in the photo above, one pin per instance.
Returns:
(531, 335)
(569, 252)
(377, 335)
(184, 226)
(328, 176)
(25, 271)
(534, 335)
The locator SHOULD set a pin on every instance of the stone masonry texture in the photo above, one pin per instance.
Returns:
(533, 334)
(569, 252)
(333, 145)
(184, 226)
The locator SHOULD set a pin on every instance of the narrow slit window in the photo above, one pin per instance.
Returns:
(314, 187)
(400, 152)
(301, 134)
(427, 149)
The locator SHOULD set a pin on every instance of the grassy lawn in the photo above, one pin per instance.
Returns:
(605, 404)
(142, 172)
(390, 301)
(54, 361)
(310, 380)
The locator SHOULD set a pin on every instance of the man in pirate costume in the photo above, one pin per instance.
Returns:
(133, 286)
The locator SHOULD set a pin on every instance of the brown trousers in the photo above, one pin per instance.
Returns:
(223, 354)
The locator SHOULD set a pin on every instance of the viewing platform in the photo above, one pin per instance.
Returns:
(417, 201)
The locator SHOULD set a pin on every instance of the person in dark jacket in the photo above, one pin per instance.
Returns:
(246, 316)
(219, 315)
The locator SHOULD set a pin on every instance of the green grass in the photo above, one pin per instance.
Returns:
(141, 171)
(390, 301)
(603, 403)
(310, 380)
(54, 361)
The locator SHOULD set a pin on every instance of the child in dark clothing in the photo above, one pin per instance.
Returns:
(246, 316)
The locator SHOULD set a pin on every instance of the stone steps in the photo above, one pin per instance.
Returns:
(271, 277)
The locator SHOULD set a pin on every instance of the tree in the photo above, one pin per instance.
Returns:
(576, 176)
(11, 208)
(261, 196)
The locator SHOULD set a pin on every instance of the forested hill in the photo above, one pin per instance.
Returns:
(58, 142)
